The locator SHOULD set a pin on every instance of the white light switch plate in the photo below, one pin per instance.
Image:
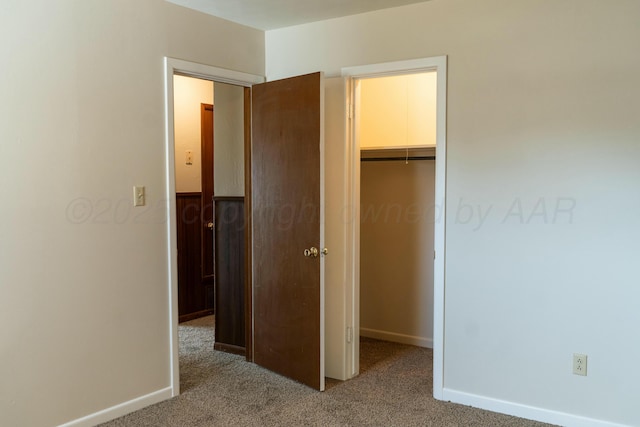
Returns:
(138, 196)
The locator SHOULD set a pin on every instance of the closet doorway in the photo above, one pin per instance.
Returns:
(397, 174)
(397, 138)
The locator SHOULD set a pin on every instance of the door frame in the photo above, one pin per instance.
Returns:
(173, 66)
(439, 65)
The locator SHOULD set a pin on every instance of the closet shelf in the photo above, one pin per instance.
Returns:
(372, 155)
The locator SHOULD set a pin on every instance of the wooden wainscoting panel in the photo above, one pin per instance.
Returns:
(229, 273)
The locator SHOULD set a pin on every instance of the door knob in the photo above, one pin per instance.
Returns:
(312, 252)
(210, 225)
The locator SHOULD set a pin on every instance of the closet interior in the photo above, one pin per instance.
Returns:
(397, 118)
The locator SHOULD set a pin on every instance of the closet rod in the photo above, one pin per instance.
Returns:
(387, 159)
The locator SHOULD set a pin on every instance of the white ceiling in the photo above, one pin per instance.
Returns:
(272, 14)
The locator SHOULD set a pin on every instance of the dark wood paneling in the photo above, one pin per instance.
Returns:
(248, 303)
(228, 348)
(230, 278)
(194, 315)
(195, 299)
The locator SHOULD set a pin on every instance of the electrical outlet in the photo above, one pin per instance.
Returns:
(138, 196)
(580, 364)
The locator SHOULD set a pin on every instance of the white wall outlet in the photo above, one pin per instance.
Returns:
(189, 157)
(580, 364)
(138, 196)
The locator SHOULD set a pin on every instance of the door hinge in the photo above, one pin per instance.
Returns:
(350, 108)
(349, 334)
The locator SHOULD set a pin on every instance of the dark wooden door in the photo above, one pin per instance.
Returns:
(192, 296)
(288, 334)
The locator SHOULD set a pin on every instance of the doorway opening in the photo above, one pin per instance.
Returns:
(417, 153)
(221, 200)
(194, 181)
(396, 118)
(310, 88)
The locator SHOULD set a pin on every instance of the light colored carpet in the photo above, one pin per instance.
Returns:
(220, 389)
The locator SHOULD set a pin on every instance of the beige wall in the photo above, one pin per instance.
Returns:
(228, 131)
(229, 140)
(398, 111)
(396, 249)
(542, 184)
(188, 95)
(84, 299)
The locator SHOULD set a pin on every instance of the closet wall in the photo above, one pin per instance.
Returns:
(229, 136)
(396, 251)
(397, 208)
(398, 111)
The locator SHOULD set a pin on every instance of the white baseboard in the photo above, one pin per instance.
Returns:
(524, 411)
(121, 409)
(394, 337)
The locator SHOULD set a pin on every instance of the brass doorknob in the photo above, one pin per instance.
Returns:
(312, 252)
(210, 225)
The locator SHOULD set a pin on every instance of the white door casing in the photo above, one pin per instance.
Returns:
(439, 65)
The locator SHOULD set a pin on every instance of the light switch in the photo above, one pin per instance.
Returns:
(189, 157)
(138, 196)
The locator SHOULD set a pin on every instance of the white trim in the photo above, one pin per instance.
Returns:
(395, 337)
(120, 409)
(208, 72)
(192, 69)
(439, 277)
(172, 245)
(438, 64)
(392, 68)
(524, 411)
(352, 250)
(322, 242)
(352, 275)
